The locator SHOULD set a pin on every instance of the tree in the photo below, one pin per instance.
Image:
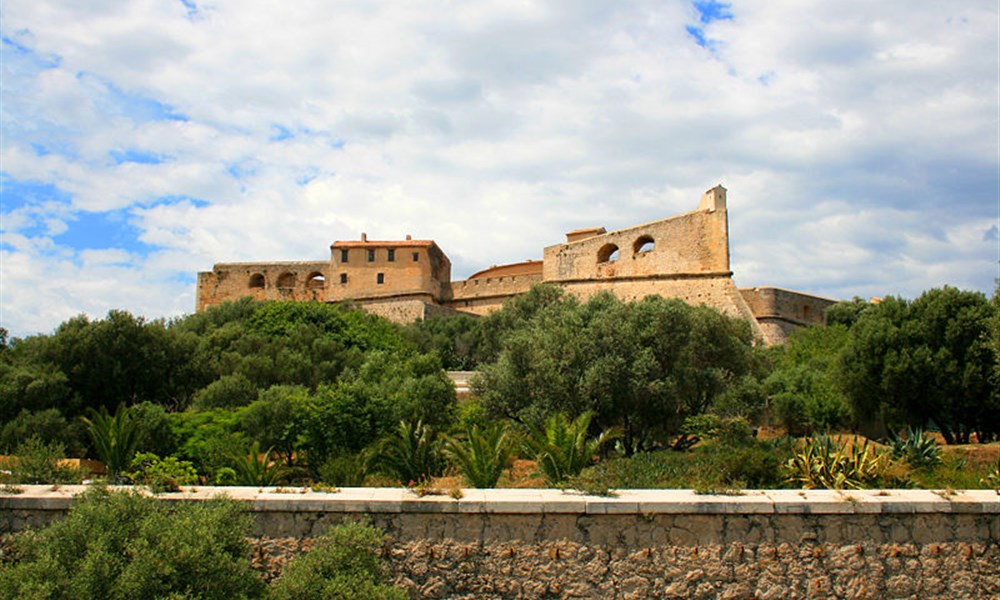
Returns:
(803, 385)
(926, 361)
(641, 366)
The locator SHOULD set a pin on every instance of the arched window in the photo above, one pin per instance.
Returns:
(316, 281)
(256, 281)
(286, 281)
(643, 244)
(607, 253)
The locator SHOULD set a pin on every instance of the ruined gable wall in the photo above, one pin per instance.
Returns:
(293, 280)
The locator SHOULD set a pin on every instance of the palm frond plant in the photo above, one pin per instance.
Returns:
(412, 453)
(562, 447)
(484, 455)
(258, 468)
(115, 438)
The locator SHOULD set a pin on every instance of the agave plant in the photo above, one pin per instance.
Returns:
(484, 456)
(824, 463)
(562, 448)
(915, 449)
(412, 453)
(115, 438)
(257, 468)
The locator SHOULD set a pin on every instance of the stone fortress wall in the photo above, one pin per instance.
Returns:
(509, 543)
(685, 257)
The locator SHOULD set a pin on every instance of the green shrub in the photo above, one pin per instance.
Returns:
(228, 391)
(162, 474)
(120, 545)
(344, 563)
(37, 462)
(343, 471)
(153, 431)
(755, 465)
(49, 425)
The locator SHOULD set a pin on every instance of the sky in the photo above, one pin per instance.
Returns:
(143, 141)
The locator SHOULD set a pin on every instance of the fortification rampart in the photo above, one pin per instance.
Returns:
(640, 544)
(685, 256)
(780, 312)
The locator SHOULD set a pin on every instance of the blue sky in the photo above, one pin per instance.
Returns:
(142, 141)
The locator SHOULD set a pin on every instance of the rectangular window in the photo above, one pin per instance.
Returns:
(371, 256)
(343, 256)
(416, 256)
(392, 255)
(380, 278)
(343, 278)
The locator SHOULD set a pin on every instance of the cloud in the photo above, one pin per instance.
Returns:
(143, 140)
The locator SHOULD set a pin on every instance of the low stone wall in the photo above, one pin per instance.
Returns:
(638, 544)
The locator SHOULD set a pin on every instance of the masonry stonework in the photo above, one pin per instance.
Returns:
(500, 544)
(685, 257)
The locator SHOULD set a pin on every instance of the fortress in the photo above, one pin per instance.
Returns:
(684, 256)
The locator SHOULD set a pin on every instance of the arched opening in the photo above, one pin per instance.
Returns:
(607, 253)
(643, 244)
(286, 281)
(316, 281)
(256, 281)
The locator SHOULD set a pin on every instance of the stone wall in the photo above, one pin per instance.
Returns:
(291, 280)
(639, 544)
(483, 295)
(780, 312)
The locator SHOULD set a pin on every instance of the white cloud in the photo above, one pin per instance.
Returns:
(858, 140)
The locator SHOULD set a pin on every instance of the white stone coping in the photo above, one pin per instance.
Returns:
(552, 501)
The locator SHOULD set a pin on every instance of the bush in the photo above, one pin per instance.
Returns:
(48, 425)
(120, 545)
(153, 431)
(228, 391)
(755, 465)
(38, 462)
(162, 474)
(344, 564)
(343, 471)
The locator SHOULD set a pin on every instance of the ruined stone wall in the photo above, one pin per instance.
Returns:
(639, 544)
(693, 243)
(293, 280)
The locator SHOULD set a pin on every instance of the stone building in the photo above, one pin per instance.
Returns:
(685, 256)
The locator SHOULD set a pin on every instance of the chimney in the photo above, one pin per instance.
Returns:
(364, 236)
(409, 237)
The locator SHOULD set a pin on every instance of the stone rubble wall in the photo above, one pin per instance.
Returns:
(638, 544)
